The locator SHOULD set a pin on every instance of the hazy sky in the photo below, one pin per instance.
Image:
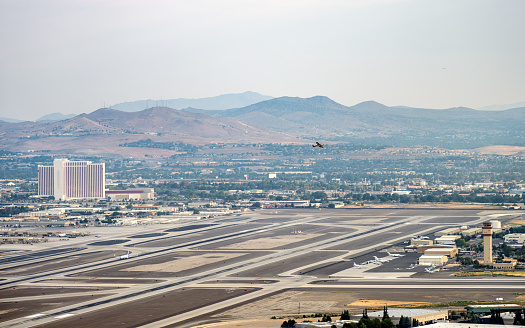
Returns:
(72, 56)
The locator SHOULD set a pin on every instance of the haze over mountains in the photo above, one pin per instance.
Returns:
(503, 107)
(104, 131)
(227, 101)
(371, 122)
(276, 120)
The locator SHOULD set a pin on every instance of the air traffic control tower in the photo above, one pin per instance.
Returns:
(487, 243)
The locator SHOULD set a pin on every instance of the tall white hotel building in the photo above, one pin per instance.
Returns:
(72, 180)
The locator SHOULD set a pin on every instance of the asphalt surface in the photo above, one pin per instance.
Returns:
(321, 261)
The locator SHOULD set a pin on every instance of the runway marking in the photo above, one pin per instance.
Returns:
(66, 315)
(35, 315)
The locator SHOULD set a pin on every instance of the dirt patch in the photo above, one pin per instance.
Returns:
(379, 303)
(287, 303)
(185, 263)
(502, 150)
(271, 242)
(517, 222)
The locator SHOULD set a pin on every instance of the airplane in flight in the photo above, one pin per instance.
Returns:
(394, 255)
(317, 144)
(380, 259)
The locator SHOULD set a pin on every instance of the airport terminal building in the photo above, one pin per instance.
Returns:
(71, 180)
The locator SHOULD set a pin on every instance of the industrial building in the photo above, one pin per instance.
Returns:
(128, 194)
(471, 232)
(446, 238)
(515, 238)
(449, 231)
(495, 224)
(421, 249)
(71, 180)
(465, 325)
(329, 324)
(424, 316)
(447, 251)
(432, 259)
(490, 308)
(506, 264)
(421, 241)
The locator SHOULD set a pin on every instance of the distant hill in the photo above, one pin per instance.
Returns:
(10, 120)
(371, 122)
(234, 100)
(104, 131)
(55, 117)
(503, 107)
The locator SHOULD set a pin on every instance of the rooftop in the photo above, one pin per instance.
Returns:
(396, 313)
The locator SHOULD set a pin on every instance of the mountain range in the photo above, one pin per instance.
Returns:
(227, 101)
(371, 122)
(276, 120)
(104, 131)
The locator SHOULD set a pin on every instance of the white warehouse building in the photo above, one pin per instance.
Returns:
(515, 238)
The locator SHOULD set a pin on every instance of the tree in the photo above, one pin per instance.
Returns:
(365, 314)
(506, 249)
(289, 323)
(404, 322)
(386, 322)
(517, 318)
(374, 323)
(350, 325)
(326, 318)
(415, 322)
(385, 313)
(499, 319)
(365, 320)
(320, 195)
(345, 315)
(461, 243)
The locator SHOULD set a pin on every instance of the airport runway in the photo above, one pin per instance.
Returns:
(294, 249)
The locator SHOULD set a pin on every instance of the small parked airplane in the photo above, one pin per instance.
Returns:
(317, 144)
(357, 265)
(125, 256)
(380, 259)
(431, 270)
(394, 255)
